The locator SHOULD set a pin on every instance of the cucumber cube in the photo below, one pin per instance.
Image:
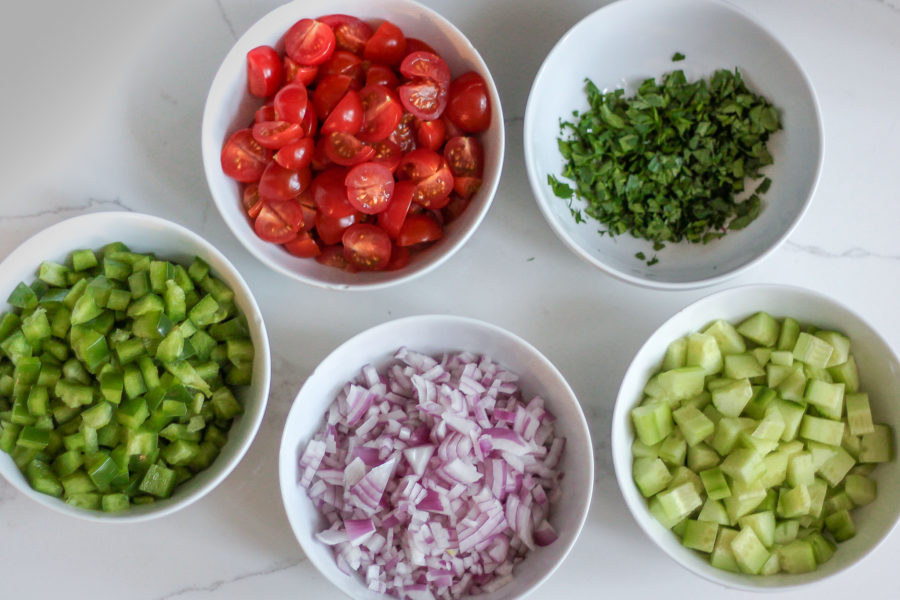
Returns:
(821, 430)
(836, 468)
(841, 525)
(715, 484)
(740, 366)
(797, 556)
(878, 446)
(651, 475)
(793, 502)
(761, 328)
(749, 551)
(694, 425)
(728, 430)
(822, 548)
(703, 351)
(727, 337)
(652, 422)
(763, 525)
(722, 557)
(702, 457)
(847, 374)
(840, 345)
(673, 449)
(859, 488)
(786, 531)
(700, 535)
(828, 398)
(743, 465)
(745, 498)
(859, 414)
(682, 383)
(731, 398)
(714, 511)
(813, 351)
(675, 355)
(680, 502)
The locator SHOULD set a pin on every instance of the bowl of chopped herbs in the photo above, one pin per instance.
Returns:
(672, 145)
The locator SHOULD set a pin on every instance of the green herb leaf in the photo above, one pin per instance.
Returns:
(677, 56)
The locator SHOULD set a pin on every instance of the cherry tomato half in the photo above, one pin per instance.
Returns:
(464, 156)
(275, 134)
(419, 229)
(250, 200)
(382, 113)
(469, 106)
(303, 245)
(278, 221)
(346, 116)
(243, 158)
(369, 187)
(392, 218)
(345, 149)
(367, 246)
(309, 42)
(291, 102)
(296, 155)
(426, 65)
(264, 71)
(387, 45)
(302, 74)
(430, 134)
(424, 98)
(350, 33)
(278, 183)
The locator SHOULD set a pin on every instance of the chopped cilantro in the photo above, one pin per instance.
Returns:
(677, 56)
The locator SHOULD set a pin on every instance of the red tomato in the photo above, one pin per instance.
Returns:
(369, 187)
(419, 229)
(309, 42)
(405, 133)
(331, 230)
(264, 71)
(310, 121)
(469, 106)
(275, 134)
(377, 74)
(308, 207)
(427, 65)
(464, 156)
(392, 218)
(387, 153)
(387, 45)
(278, 221)
(399, 258)
(433, 192)
(346, 63)
(251, 201)
(417, 45)
(419, 164)
(296, 155)
(350, 33)
(278, 183)
(430, 134)
(243, 158)
(466, 186)
(291, 102)
(266, 112)
(346, 150)
(327, 190)
(346, 116)
(424, 98)
(382, 113)
(366, 246)
(454, 208)
(303, 74)
(329, 92)
(333, 256)
(303, 246)
(451, 128)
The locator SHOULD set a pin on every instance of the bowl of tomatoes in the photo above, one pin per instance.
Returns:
(353, 145)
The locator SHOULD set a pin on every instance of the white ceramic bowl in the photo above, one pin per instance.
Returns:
(879, 371)
(620, 45)
(145, 233)
(435, 334)
(229, 107)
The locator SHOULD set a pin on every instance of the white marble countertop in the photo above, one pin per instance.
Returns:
(102, 102)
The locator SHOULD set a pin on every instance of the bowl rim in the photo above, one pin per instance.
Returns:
(32, 247)
(620, 425)
(288, 451)
(539, 189)
(210, 149)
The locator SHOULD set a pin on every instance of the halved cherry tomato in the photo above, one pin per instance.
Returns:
(466, 186)
(464, 156)
(433, 192)
(346, 63)
(329, 91)
(303, 246)
(424, 98)
(333, 256)
(387, 153)
(469, 106)
(399, 258)
(266, 112)
(278, 183)
(378, 74)
(392, 218)
(419, 229)
(264, 71)
(243, 158)
(303, 74)
(350, 33)
(405, 133)
(291, 102)
(275, 134)
(309, 42)
(346, 116)
(387, 45)
(250, 200)
(308, 207)
(366, 246)
(417, 45)
(382, 113)
(430, 134)
(310, 121)
(346, 150)
(327, 191)
(369, 187)
(454, 208)
(278, 221)
(419, 164)
(427, 65)
(296, 155)
(331, 230)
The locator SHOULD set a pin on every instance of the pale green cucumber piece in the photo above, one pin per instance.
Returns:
(712, 412)
(694, 425)
(652, 422)
(840, 345)
(654, 389)
(828, 398)
(675, 355)
(700, 401)
(759, 445)
(836, 468)
(656, 509)
(762, 357)
(793, 386)
(678, 528)
(793, 502)
(680, 502)
(818, 490)
(841, 525)
(820, 453)
(821, 430)
(763, 525)
(811, 350)
(837, 502)
(749, 552)
(847, 374)
(714, 511)
(727, 337)
(731, 398)
(822, 548)
(728, 430)
(878, 446)
(702, 457)
(715, 484)
(786, 531)
(722, 557)
(740, 366)
(859, 413)
(700, 535)
(761, 328)
(773, 565)
(745, 498)
(782, 358)
(771, 427)
(703, 351)
(682, 475)
(641, 450)
(851, 443)
(673, 449)
(743, 465)
(859, 488)
(682, 383)
(760, 402)
(776, 373)
(797, 556)
(775, 465)
(800, 470)
(787, 338)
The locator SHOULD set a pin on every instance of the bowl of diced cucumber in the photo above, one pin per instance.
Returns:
(753, 437)
(134, 367)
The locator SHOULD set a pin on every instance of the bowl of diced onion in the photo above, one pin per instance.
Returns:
(775, 467)
(437, 455)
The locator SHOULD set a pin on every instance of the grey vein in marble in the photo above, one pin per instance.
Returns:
(77, 208)
(854, 253)
(216, 585)
(225, 18)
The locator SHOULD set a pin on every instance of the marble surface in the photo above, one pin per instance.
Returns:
(102, 102)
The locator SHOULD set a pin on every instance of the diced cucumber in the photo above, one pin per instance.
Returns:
(841, 525)
(741, 366)
(878, 446)
(749, 552)
(682, 383)
(859, 414)
(693, 424)
(703, 351)
(797, 556)
(762, 524)
(715, 484)
(731, 398)
(813, 351)
(722, 556)
(761, 328)
(675, 355)
(651, 475)
(860, 489)
(700, 535)
(652, 422)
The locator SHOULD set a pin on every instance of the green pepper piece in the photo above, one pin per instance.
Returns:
(133, 381)
(38, 401)
(172, 346)
(53, 273)
(118, 299)
(97, 415)
(32, 437)
(158, 481)
(9, 322)
(174, 298)
(160, 272)
(198, 270)
(112, 385)
(139, 284)
(73, 394)
(42, 478)
(116, 270)
(225, 404)
(23, 297)
(84, 259)
(91, 348)
(132, 412)
(186, 374)
(114, 502)
(85, 309)
(67, 463)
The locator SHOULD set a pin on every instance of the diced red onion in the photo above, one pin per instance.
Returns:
(434, 475)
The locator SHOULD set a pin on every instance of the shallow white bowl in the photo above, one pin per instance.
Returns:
(145, 233)
(879, 371)
(230, 107)
(435, 334)
(620, 45)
